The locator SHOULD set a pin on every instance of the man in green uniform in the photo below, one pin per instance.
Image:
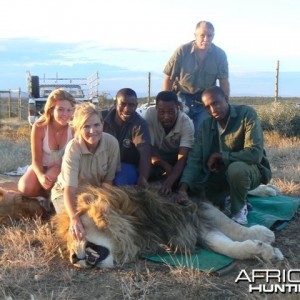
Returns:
(228, 156)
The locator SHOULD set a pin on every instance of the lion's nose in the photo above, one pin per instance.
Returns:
(74, 258)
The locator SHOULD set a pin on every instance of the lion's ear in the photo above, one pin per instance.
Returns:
(99, 215)
(85, 199)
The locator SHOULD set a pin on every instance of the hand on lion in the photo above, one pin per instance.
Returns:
(182, 197)
(76, 229)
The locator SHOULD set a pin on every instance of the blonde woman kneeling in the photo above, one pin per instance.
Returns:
(92, 157)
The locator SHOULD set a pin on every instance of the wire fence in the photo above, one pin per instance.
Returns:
(13, 103)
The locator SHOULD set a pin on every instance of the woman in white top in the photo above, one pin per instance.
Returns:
(49, 137)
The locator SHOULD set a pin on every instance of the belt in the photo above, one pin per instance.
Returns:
(193, 99)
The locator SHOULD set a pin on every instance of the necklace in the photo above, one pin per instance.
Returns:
(58, 134)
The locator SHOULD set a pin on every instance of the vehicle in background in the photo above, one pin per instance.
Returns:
(141, 110)
(39, 88)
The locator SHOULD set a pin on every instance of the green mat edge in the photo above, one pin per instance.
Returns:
(188, 261)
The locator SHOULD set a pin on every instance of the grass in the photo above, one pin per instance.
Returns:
(284, 155)
(137, 285)
(14, 144)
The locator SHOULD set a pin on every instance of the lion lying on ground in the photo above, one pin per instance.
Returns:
(14, 206)
(123, 223)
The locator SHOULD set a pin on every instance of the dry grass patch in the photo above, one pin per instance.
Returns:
(14, 145)
(28, 251)
(15, 129)
(14, 155)
(284, 156)
(137, 285)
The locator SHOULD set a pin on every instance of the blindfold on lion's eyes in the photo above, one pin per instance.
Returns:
(93, 254)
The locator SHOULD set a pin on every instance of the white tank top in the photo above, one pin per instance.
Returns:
(52, 157)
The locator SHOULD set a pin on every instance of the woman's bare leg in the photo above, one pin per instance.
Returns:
(30, 186)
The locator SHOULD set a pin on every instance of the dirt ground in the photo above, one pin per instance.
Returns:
(148, 280)
(8, 182)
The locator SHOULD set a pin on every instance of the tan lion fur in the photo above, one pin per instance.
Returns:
(14, 206)
(130, 222)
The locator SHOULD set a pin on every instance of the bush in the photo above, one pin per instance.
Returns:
(283, 118)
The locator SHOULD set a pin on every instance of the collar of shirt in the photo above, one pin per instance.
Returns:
(85, 150)
(177, 126)
(232, 115)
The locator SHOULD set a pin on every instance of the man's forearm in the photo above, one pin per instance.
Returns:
(167, 84)
(145, 162)
(225, 86)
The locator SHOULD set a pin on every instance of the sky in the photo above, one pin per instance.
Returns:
(125, 40)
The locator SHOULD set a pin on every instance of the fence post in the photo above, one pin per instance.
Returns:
(276, 80)
(20, 105)
(9, 104)
(149, 85)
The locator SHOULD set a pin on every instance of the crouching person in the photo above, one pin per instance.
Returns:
(92, 157)
(228, 157)
(49, 137)
(132, 133)
(172, 137)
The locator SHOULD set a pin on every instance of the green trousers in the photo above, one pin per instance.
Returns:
(235, 181)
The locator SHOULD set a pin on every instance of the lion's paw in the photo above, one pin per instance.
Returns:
(267, 252)
(262, 233)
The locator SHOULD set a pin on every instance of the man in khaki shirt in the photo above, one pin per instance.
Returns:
(172, 137)
(195, 66)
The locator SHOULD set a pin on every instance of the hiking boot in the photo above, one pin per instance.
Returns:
(241, 216)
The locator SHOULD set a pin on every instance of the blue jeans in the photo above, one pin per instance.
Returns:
(127, 176)
(197, 111)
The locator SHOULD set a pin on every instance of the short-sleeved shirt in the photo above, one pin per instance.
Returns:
(181, 135)
(193, 76)
(80, 166)
(130, 135)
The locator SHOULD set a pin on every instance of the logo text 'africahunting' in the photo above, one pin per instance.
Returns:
(271, 281)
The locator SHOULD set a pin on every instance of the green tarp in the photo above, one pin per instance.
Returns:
(272, 212)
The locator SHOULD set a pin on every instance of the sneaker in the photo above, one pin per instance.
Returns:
(227, 206)
(241, 216)
(249, 206)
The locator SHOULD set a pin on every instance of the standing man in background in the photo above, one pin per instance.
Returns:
(194, 67)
